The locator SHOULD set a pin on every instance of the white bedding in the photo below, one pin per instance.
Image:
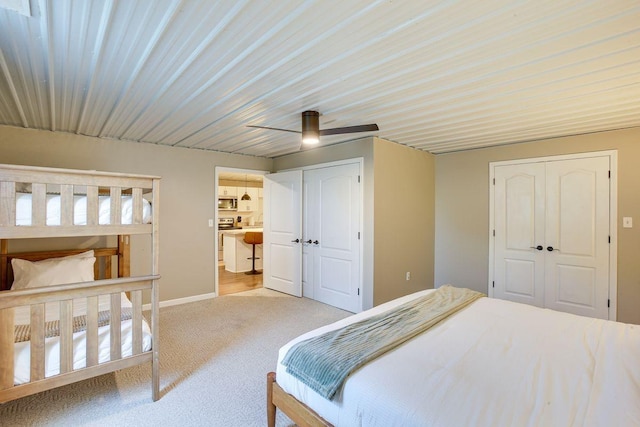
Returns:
(52, 345)
(494, 363)
(24, 204)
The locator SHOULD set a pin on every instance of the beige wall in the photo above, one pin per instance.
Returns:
(399, 220)
(187, 259)
(462, 210)
(404, 187)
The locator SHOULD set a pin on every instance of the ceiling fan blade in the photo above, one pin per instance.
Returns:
(349, 129)
(266, 127)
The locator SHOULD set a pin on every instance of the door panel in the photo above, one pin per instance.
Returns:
(577, 279)
(576, 285)
(519, 228)
(519, 278)
(333, 209)
(282, 194)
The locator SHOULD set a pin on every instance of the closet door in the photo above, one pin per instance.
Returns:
(577, 236)
(332, 224)
(551, 234)
(282, 269)
(519, 233)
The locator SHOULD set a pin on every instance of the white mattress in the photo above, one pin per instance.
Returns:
(24, 204)
(52, 345)
(494, 363)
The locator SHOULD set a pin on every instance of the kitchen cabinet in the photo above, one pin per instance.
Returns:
(225, 190)
(237, 254)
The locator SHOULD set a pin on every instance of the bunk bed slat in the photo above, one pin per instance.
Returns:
(6, 348)
(66, 336)
(13, 232)
(37, 342)
(124, 252)
(107, 268)
(66, 204)
(92, 331)
(116, 204)
(39, 204)
(136, 301)
(115, 330)
(4, 267)
(137, 205)
(7, 204)
(93, 205)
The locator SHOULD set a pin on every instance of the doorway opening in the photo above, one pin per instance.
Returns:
(239, 211)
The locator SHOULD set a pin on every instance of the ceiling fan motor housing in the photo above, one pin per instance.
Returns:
(310, 125)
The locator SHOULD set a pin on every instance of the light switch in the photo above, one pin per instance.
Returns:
(210, 223)
(627, 222)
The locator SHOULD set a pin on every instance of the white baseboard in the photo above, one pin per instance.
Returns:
(179, 301)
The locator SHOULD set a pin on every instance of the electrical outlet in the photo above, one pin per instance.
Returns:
(408, 275)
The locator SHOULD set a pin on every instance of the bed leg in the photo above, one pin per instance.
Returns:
(271, 408)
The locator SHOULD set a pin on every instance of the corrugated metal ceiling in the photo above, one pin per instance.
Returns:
(437, 76)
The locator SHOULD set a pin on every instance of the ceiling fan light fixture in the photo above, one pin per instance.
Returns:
(310, 127)
(310, 138)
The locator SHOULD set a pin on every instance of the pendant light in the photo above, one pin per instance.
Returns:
(246, 195)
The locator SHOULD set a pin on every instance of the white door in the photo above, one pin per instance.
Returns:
(519, 233)
(577, 236)
(551, 244)
(331, 233)
(282, 268)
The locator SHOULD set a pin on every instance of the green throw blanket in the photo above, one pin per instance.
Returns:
(324, 362)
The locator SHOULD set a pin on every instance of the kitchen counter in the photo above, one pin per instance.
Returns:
(241, 231)
(237, 254)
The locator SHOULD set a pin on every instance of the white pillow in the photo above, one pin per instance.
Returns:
(56, 271)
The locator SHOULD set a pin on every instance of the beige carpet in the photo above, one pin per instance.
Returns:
(214, 356)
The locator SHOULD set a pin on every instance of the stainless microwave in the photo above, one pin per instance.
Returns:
(227, 203)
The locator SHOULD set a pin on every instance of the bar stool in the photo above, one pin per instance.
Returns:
(253, 238)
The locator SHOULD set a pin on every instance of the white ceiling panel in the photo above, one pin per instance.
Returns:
(436, 76)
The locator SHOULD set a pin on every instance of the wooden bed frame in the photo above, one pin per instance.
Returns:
(94, 183)
(299, 413)
(106, 258)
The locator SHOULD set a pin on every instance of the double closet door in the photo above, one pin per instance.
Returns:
(312, 234)
(551, 234)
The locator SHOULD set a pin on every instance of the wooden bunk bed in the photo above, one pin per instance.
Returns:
(86, 204)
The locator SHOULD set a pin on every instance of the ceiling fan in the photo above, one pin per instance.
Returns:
(311, 131)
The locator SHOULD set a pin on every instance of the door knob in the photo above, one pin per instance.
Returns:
(295, 241)
(308, 241)
(315, 242)
(539, 247)
(551, 249)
